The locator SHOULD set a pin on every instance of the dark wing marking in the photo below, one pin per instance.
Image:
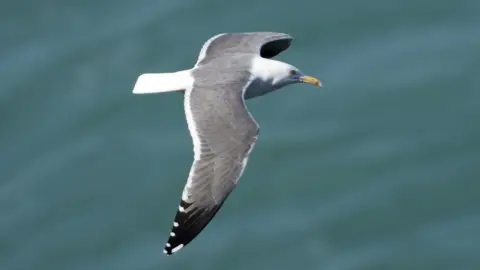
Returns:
(267, 44)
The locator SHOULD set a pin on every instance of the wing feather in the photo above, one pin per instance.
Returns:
(265, 44)
(223, 136)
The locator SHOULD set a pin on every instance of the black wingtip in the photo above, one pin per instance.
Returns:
(174, 243)
(176, 238)
(275, 47)
(187, 224)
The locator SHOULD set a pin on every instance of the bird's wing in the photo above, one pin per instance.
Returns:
(266, 44)
(223, 133)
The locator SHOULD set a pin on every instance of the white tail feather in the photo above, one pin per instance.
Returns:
(149, 83)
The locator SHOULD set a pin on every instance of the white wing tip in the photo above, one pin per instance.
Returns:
(173, 250)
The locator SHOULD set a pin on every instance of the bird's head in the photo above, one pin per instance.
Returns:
(279, 74)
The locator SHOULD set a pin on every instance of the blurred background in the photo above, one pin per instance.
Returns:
(377, 170)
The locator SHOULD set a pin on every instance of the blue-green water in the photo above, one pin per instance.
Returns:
(377, 170)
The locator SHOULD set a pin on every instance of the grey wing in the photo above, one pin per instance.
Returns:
(223, 137)
(266, 44)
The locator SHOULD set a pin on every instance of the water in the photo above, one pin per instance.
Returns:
(377, 170)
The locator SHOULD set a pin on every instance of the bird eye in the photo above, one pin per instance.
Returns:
(293, 72)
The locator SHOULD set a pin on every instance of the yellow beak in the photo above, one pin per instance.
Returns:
(311, 80)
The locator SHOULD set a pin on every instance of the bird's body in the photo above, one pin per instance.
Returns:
(230, 68)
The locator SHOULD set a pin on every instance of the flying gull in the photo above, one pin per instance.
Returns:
(230, 68)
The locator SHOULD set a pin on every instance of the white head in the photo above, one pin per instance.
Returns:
(278, 74)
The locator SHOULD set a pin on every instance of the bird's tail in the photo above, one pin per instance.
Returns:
(150, 83)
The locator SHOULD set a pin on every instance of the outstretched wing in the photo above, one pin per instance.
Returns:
(223, 134)
(266, 44)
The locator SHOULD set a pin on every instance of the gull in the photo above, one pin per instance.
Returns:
(231, 68)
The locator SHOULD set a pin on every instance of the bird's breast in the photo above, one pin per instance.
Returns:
(257, 88)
